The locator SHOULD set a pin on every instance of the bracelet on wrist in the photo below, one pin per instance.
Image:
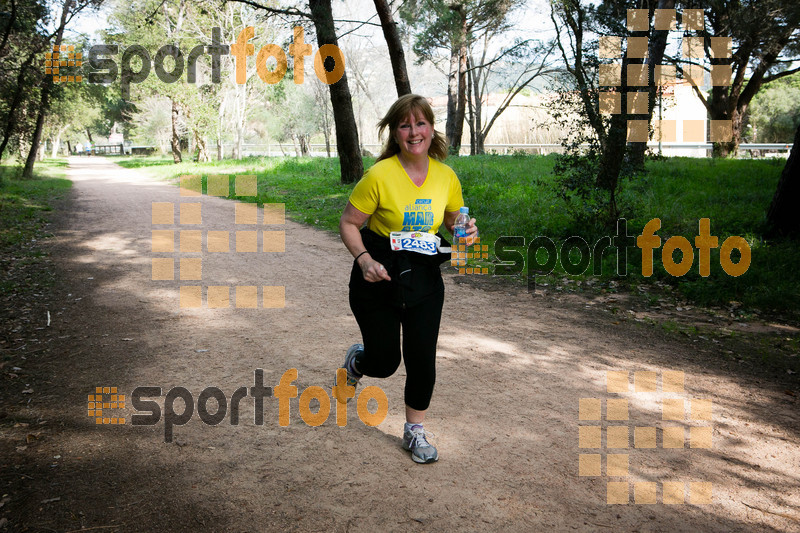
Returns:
(362, 253)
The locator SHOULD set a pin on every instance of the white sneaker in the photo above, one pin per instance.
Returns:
(352, 378)
(421, 450)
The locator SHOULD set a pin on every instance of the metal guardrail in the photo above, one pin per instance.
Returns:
(319, 150)
(536, 148)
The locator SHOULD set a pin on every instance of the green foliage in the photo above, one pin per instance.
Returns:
(577, 169)
(74, 108)
(765, 35)
(151, 124)
(519, 195)
(18, 57)
(594, 164)
(290, 117)
(310, 187)
(775, 111)
(23, 203)
(439, 24)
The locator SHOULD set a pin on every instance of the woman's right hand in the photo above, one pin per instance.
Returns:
(373, 270)
(352, 219)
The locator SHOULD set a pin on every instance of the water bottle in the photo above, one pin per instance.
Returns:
(460, 235)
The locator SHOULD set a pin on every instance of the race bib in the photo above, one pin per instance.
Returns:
(414, 241)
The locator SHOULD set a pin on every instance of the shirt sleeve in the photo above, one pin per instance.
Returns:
(456, 199)
(366, 196)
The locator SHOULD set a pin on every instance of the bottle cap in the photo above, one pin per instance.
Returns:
(464, 210)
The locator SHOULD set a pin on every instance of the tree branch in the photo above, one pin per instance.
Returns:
(501, 55)
(360, 24)
(691, 82)
(510, 96)
(291, 12)
(779, 75)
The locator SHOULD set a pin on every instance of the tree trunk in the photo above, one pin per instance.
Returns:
(12, 17)
(614, 148)
(783, 216)
(220, 125)
(611, 158)
(11, 120)
(350, 162)
(220, 119)
(655, 56)
(461, 110)
(294, 145)
(237, 147)
(176, 142)
(457, 83)
(56, 143)
(479, 135)
(480, 139)
(44, 104)
(471, 106)
(396, 54)
(730, 148)
(202, 148)
(452, 99)
(240, 116)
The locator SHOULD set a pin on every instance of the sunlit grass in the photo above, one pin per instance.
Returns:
(24, 202)
(517, 196)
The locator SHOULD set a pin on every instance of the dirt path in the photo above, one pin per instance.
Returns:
(505, 411)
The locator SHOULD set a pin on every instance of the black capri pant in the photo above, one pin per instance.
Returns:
(380, 321)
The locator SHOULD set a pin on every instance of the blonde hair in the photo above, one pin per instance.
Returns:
(409, 104)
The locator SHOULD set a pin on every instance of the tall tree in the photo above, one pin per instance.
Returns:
(783, 216)
(350, 163)
(657, 44)
(601, 167)
(347, 143)
(173, 23)
(23, 42)
(44, 104)
(69, 9)
(18, 94)
(517, 66)
(765, 38)
(72, 109)
(452, 27)
(396, 53)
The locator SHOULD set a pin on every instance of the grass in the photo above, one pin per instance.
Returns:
(24, 208)
(516, 195)
(310, 188)
(23, 203)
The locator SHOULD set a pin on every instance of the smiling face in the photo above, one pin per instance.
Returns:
(414, 134)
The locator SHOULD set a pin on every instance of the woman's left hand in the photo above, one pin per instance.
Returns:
(472, 232)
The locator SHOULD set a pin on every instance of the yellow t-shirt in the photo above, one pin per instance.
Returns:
(395, 203)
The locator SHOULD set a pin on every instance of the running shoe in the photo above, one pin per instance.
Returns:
(421, 450)
(352, 377)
